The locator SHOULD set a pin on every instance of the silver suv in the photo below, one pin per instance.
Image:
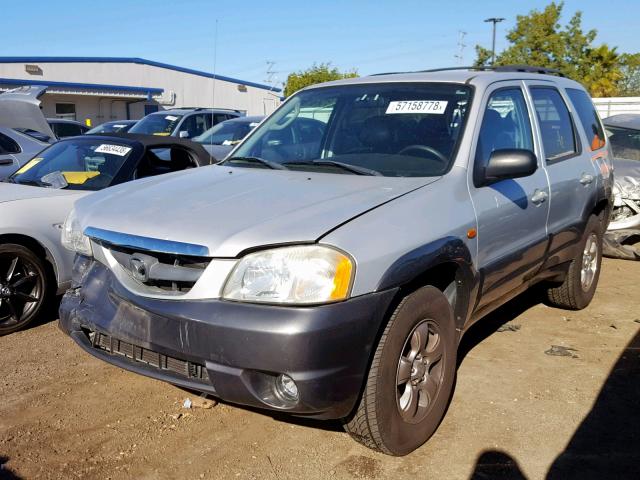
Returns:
(183, 122)
(329, 267)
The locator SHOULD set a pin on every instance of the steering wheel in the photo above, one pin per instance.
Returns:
(426, 149)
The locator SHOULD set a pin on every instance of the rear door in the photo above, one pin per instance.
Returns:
(512, 214)
(572, 176)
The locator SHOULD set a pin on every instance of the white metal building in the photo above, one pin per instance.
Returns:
(100, 89)
(616, 105)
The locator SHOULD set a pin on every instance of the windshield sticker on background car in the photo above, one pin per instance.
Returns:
(78, 178)
(119, 150)
(417, 106)
(171, 118)
(30, 164)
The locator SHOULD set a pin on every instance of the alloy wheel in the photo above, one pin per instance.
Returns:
(21, 289)
(419, 374)
(589, 262)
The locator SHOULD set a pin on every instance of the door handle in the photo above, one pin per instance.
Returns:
(6, 161)
(586, 179)
(539, 196)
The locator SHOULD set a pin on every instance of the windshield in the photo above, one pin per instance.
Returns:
(625, 142)
(82, 164)
(157, 124)
(226, 133)
(400, 130)
(111, 128)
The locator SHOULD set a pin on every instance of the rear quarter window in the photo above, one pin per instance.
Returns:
(558, 135)
(8, 145)
(588, 118)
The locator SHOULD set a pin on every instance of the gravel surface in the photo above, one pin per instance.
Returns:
(553, 394)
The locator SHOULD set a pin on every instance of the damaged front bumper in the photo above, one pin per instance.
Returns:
(235, 351)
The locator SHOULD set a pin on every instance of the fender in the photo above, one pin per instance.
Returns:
(418, 262)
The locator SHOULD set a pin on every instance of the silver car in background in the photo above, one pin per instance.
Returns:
(16, 149)
(220, 139)
(623, 234)
(23, 129)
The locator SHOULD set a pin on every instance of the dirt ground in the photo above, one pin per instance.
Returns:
(517, 412)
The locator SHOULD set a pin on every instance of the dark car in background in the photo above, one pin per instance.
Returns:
(66, 128)
(117, 126)
(220, 139)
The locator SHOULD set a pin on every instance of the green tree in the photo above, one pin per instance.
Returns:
(629, 85)
(539, 39)
(318, 73)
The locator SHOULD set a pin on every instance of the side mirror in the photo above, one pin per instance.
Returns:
(183, 134)
(509, 163)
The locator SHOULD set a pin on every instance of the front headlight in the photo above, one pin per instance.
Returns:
(72, 237)
(304, 274)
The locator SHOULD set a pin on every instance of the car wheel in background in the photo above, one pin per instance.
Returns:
(411, 378)
(23, 287)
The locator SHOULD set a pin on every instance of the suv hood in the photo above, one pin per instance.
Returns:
(20, 108)
(229, 210)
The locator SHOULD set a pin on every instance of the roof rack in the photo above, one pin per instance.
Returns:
(499, 68)
(197, 109)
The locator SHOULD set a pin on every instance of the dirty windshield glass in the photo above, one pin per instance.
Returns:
(157, 124)
(402, 130)
(75, 165)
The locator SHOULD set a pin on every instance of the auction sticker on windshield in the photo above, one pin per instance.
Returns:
(120, 150)
(417, 106)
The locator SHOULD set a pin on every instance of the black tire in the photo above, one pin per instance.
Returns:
(571, 294)
(24, 287)
(380, 422)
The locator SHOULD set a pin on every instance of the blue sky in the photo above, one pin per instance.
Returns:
(371, 36)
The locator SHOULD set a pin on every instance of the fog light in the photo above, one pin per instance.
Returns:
(287, 388)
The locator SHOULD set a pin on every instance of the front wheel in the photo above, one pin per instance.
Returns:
(579, 287)
(411, 376)
(23, 287)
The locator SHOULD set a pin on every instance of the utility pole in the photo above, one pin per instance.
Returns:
(494, 20)
(460, 55)
(272, 78)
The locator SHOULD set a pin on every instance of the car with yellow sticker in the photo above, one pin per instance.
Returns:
(35, 200)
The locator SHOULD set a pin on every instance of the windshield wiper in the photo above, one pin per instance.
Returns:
(31, 183)
(261, 161)
(345, 166)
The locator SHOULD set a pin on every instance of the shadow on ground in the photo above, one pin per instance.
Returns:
(5, 473)
(490, 324)
(48, 314)
(607, 442)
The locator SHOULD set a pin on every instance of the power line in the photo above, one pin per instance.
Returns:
(272, 75)
(460, 55)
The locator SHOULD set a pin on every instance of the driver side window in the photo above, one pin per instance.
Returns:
(505, 125)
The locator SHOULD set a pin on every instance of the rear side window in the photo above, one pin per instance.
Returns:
(588, 117)
(8, 145)
(556, 126)
(63, 130)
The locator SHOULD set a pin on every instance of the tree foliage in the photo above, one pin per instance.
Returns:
(629, 86)
(318, 73)
(540, 39)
